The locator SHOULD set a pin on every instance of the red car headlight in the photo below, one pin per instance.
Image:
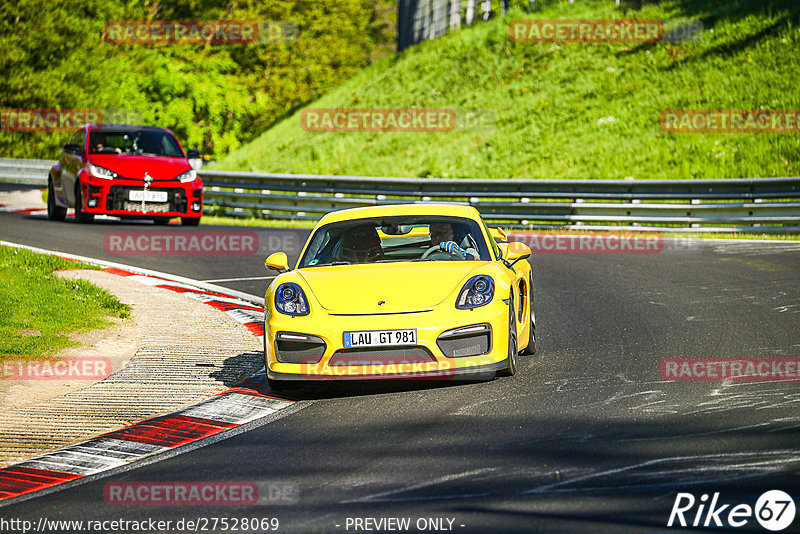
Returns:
(188, 176)
(101, 172)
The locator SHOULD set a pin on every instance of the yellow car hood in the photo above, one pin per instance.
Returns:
(401, 286)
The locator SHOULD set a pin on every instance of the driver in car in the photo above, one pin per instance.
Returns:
(442, 235)
(100, 142)
(360, 244)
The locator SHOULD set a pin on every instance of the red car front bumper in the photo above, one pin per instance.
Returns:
(162, 198)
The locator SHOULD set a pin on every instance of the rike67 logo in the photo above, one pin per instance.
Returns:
(774, 510)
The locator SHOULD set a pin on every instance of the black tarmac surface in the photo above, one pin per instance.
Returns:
(585, 438)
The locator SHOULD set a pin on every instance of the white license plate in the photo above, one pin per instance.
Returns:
(148, 196)
(380, 338)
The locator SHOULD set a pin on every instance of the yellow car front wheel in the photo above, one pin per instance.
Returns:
(530, 350)
(512, 340)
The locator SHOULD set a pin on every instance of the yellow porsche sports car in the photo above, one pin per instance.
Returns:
(422, 291)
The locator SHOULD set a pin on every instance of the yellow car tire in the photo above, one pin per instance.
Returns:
(513, 345)
(530, 350)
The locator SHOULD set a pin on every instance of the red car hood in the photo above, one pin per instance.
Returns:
(160, 168)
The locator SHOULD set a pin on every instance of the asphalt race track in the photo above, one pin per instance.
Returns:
(585, 438)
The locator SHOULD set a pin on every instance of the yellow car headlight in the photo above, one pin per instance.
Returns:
(478, 291)
(291, 300)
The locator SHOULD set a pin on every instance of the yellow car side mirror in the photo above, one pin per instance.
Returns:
(277, 261)
(516, 251)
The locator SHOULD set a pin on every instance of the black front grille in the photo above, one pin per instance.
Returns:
(289, 349)
(147, 207)
(463, 345)
(118, 199)
(381, 356)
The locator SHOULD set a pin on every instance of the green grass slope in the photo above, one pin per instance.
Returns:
(40, 309)
(567, 110)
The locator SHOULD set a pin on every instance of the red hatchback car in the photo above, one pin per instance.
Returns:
(126, 171)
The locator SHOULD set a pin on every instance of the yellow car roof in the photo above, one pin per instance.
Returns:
(441, 209)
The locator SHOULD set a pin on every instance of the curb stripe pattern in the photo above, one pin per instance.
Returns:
(170, 430)
(248, 401)
(19, 480)
(6, 208)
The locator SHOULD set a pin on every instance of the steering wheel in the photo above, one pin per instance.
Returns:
(436, 248)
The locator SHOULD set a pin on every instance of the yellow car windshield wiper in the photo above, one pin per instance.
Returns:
(331, 263)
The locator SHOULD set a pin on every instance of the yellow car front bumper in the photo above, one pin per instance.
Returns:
(424, 360)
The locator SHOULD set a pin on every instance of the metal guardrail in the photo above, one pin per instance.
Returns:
(769, 205)
(25, 171)
(758, 204)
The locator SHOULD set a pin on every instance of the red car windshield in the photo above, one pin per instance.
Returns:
(134, 142)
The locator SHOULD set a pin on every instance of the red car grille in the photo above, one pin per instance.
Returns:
(118, 199)
(149, 207)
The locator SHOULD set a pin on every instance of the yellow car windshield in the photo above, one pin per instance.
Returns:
(396, 239)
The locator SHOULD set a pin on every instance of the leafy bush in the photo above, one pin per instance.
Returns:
(214, 97)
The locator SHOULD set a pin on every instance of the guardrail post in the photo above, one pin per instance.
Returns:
(455, 14)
